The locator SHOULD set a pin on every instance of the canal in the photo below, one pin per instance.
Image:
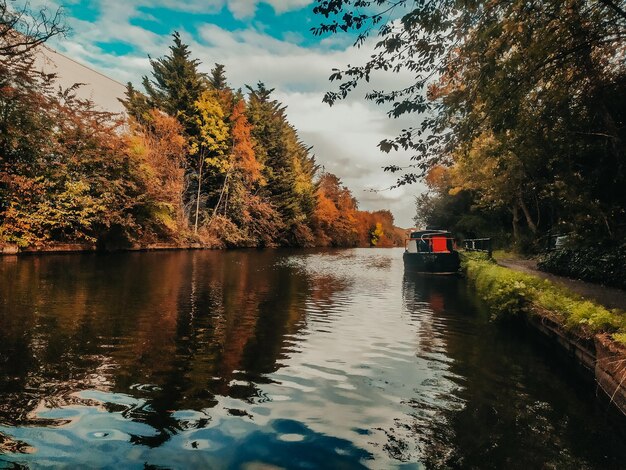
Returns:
(278, 359)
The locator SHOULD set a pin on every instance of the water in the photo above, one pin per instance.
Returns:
(266, 359)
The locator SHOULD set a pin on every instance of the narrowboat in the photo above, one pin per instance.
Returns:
(431, 251)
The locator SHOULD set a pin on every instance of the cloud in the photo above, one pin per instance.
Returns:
(282, 6)
(242, 8)
(246, 8)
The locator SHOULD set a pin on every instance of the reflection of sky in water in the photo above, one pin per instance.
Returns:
(326, 359)
(93, 436)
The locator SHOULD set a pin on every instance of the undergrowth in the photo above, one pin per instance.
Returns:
(511, 293)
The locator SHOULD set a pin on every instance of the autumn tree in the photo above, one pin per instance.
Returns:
(80, 187)
(253, 213)
(334, 218)
(210, 148)
(177, 88)
(161, 148)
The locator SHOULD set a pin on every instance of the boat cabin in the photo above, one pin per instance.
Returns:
(430, 241)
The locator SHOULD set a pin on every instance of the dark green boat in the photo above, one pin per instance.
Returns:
(431, 251)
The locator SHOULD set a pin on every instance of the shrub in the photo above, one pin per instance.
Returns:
(594, 264)
(506, 292)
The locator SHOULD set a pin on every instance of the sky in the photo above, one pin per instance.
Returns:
(257, 40)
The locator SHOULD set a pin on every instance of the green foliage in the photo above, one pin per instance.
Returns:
(288, 167)
(603, 265)
(507, 292)
(510, 293)
(176, 84)
(164, 215)
(217, 78)
(620, 338)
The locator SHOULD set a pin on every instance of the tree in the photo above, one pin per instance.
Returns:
(177, 88)
(174, 87)
(288, 166)
(546, 80)
(217, 78)
(22, 30)
(334, 220)
(244, 157)
(210, 147)
(161, 148)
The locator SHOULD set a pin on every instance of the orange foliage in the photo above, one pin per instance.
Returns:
(161, 146)
(437, 177)
(338, 222)
(243, 151)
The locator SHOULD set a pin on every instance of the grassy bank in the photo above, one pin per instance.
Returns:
(511, 293)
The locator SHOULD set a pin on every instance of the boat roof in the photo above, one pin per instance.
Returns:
(430, 233)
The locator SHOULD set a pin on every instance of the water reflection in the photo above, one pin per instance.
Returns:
(293, 359)
(184, 327)
(519, 402)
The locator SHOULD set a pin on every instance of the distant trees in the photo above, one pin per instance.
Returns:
(243, 158)
(338, 222)
(523, 101)
(251, 181)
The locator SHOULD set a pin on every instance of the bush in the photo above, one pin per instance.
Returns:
(594, 264)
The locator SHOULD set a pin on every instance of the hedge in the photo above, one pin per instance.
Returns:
(594, 264)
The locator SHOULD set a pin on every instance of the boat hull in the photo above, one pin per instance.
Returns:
(436, 263)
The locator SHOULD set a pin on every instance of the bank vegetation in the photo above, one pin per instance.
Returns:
(193, 162)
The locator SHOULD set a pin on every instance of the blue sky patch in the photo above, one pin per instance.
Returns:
(116, 47)
(291, 26)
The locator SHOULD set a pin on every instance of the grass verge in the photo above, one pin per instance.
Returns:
(511, 293)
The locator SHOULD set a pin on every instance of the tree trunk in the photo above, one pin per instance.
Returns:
(529, 219)
(195, 225)
(219, 201)
(515, 212)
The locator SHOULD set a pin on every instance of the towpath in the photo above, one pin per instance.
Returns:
(608, 296)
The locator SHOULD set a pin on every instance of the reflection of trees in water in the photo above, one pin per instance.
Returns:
(184, 326)
(429, 300)
(515, 405)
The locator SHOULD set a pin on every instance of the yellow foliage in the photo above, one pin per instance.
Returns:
(213, 130)
(377, 233)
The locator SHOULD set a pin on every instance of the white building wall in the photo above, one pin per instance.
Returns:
(102, 90)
